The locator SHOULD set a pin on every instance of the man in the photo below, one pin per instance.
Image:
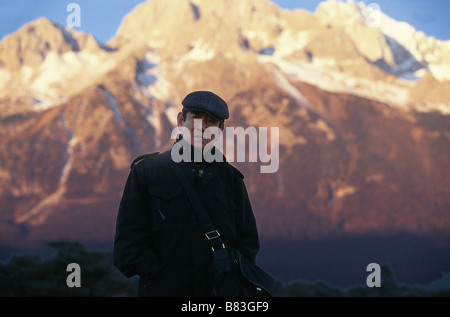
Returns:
(158, 235)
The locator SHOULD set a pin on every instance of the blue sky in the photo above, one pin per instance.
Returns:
(101, 18)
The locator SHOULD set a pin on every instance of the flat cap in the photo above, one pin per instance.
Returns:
(206, 102)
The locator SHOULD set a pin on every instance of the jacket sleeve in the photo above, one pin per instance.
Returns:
(247, 230)
(133, 252)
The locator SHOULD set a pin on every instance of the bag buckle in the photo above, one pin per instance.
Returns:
(214, 235)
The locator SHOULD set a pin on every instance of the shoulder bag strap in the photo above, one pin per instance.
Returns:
(211, 233)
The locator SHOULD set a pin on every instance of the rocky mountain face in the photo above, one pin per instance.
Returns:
(362, 111)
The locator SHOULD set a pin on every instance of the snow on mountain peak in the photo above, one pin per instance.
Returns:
(50, 63)
(340, 47)
(411, 50)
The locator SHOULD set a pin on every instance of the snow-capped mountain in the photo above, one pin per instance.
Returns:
(362, 110)
(338, 48)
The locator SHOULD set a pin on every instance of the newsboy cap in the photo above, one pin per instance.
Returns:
(206, 102)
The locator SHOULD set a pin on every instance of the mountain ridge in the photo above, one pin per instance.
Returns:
(361, 62)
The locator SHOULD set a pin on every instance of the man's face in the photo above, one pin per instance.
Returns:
(197, 130)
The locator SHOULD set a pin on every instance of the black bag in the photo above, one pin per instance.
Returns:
(232, 274)
(236, 276)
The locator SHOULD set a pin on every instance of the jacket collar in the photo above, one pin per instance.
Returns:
(209, 170)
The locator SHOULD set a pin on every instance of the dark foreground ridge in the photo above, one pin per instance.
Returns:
(29, 275)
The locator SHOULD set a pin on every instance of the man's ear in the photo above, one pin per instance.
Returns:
(222, 125)
(180, 119)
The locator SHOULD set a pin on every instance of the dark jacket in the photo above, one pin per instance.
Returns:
(158, 235)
